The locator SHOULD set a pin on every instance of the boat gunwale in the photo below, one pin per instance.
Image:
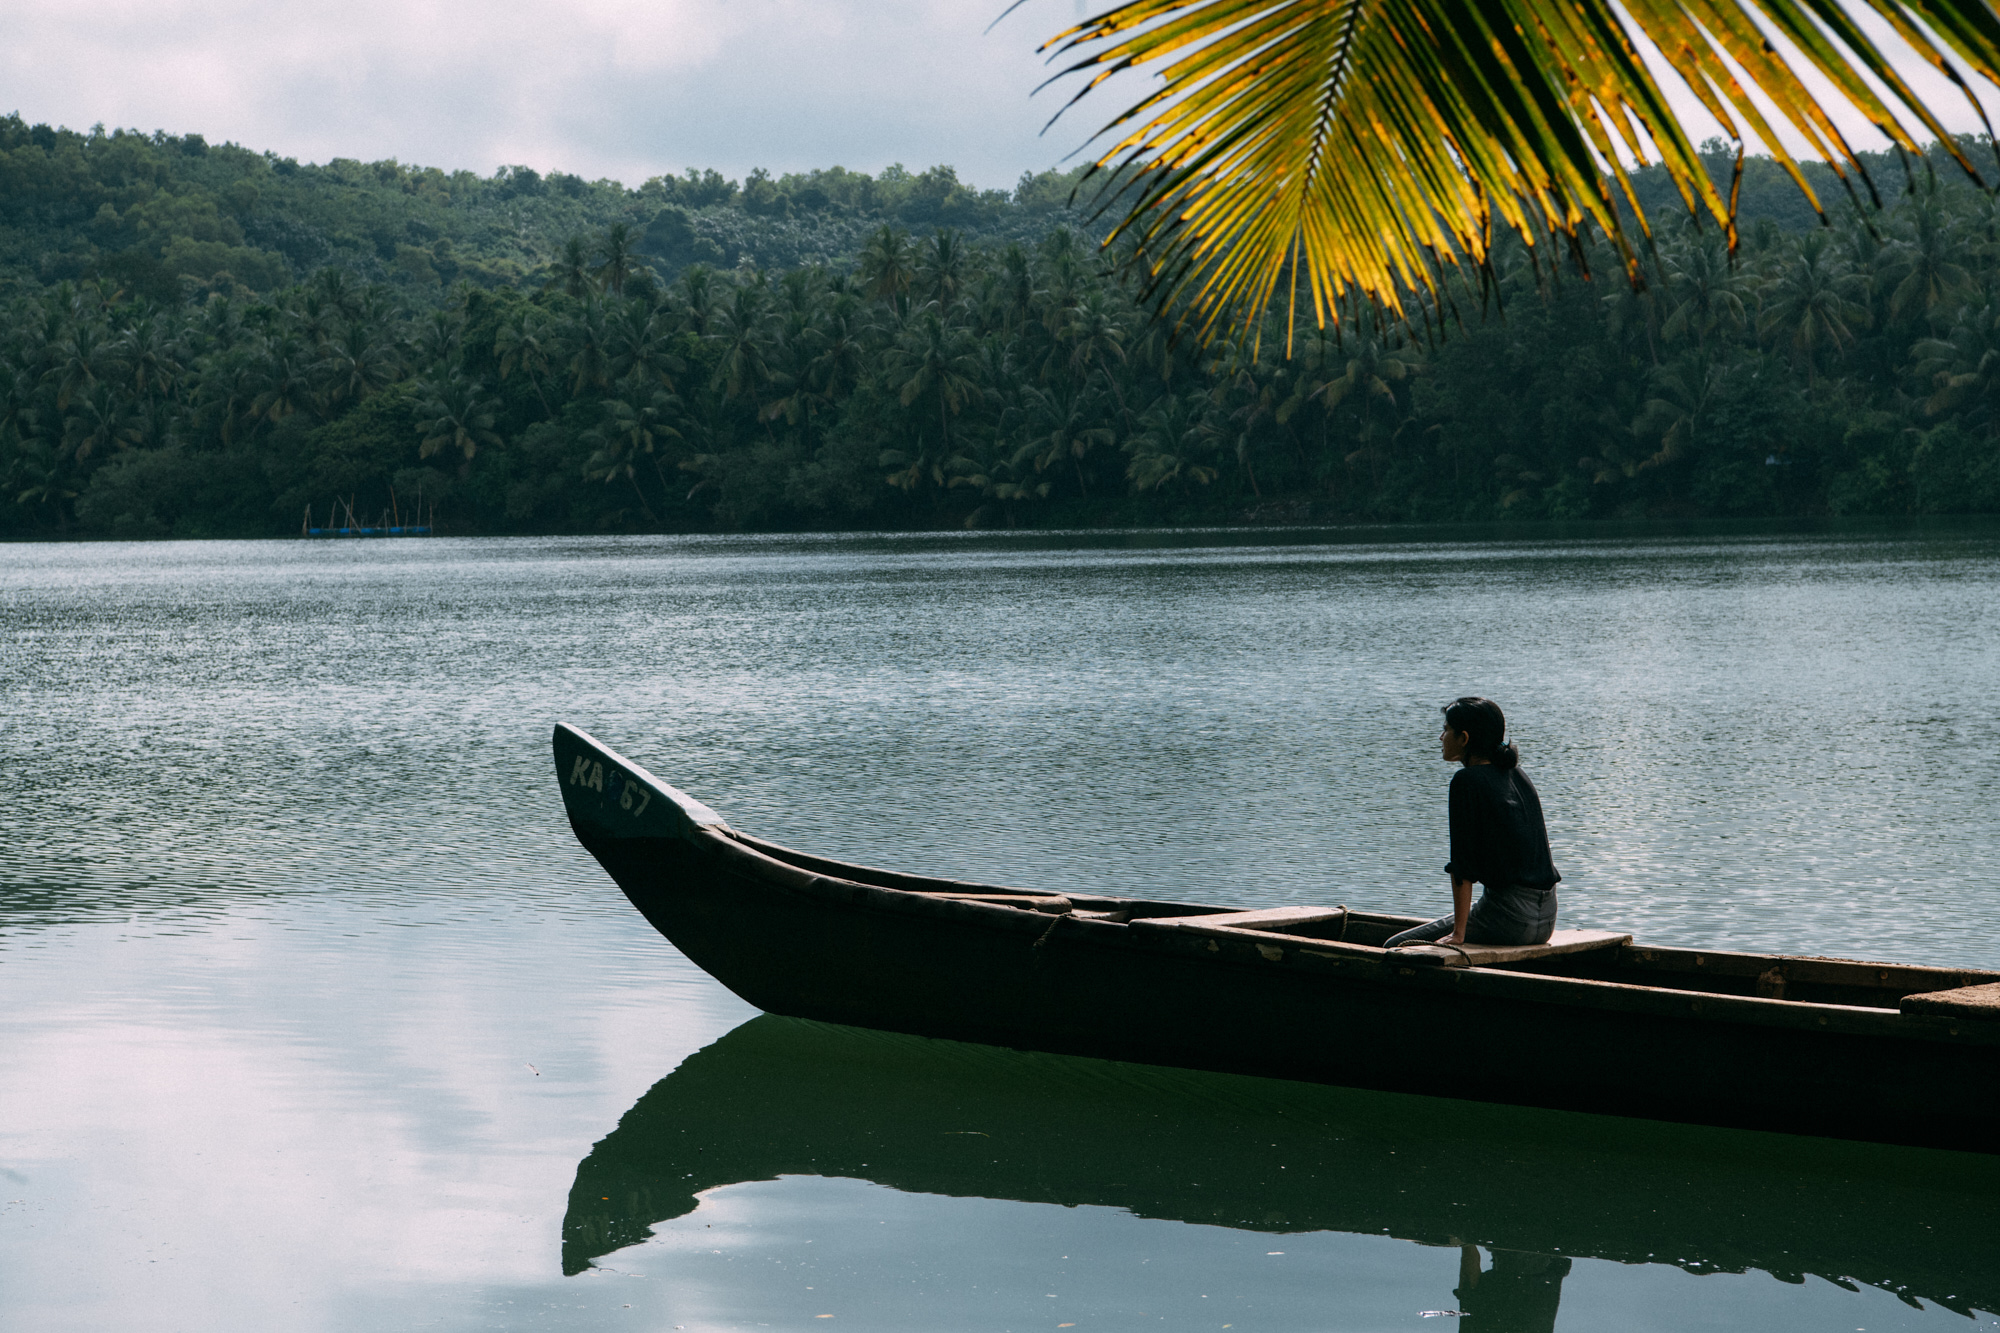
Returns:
(1737, 962)
(1377, 966)
(793, 859)
(1263, 948)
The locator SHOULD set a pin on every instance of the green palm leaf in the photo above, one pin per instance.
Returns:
(1335, 150)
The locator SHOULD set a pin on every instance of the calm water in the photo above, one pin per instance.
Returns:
(314, 1016)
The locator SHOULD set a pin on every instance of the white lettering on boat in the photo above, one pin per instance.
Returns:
(633, 788)
(633, 794)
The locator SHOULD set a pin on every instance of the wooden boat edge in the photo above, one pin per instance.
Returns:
(694, 822)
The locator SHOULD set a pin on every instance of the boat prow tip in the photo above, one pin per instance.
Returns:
(608, 794)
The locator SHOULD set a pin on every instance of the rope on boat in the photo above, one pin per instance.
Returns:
(1433, 944)
(1054, 921)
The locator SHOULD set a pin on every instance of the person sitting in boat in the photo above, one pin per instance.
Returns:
(1498, 839)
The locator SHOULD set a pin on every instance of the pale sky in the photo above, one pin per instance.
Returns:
(620, 88)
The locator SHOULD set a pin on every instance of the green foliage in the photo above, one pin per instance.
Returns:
(1331, 154)
(200, 341)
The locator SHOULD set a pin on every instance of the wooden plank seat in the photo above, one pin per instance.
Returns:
(1272, 922)
(1975, 1002)
(1033, 902)
(1499, 955)
(1269, 918)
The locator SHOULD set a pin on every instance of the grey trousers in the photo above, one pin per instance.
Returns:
(1517, 918)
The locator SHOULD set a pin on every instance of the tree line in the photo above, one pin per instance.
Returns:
(949, 377)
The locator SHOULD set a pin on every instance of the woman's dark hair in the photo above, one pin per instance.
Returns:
(1485, 728)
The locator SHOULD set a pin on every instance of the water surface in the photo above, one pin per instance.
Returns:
(315, 1016)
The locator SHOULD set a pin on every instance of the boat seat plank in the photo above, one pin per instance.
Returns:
(1980, 1002)
(1269, 918)
(1034, 902)
(1498, 955)
(1273, 921)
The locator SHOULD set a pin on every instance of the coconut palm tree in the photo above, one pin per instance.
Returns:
(799, 290)
(1706, 288)
(942, 269)
(358, 362)
(615, 259)
(590, 348)
(82, 358)
(742, 333)
(840, 359)
(1299, 151)
(1963, 370)
(1373, 371)
(525, 342)
(219, 326)
(41, 479)
(439, 336)
(886, 264)
(1063, 423)
(936, 361)
(636, 424)
(454, 415)
(1811, 302)
(283, 378)
(1682, 413)
(147, 352)
(336, 293)
(1923, 261)
(1016, 288)
(1094, 335)
(638, 338)
(1168, 444)
(157, 424)
(698, 297)
(315, 317)
(100, 421)
(989, 469)
(571, 270)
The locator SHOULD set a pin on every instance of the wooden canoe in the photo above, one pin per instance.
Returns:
(1591, 1022)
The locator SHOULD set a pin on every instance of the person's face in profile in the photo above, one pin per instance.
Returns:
(1452, 743)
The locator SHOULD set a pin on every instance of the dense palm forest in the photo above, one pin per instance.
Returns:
(203, 340)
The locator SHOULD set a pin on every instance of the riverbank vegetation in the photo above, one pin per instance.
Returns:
(203, 340)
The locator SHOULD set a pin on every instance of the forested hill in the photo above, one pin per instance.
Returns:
(162, 216)
(200, 339)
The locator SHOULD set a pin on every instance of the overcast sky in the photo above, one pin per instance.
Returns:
(620, 88)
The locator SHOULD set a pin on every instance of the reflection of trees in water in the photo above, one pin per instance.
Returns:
(1520, 1293)
(780, 1096)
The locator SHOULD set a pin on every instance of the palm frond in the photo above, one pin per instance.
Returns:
(1335, 150)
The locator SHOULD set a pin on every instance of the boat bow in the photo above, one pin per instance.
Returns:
(609, 796)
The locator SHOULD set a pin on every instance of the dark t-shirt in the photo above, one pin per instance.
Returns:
(1498, 838)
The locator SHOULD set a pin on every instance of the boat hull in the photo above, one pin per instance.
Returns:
(791, 939)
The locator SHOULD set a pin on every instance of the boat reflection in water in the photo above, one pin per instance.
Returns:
(1520, 1293)
(781, 1096)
